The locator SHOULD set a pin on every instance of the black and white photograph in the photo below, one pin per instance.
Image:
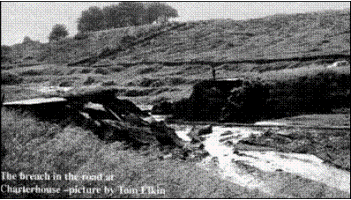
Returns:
(175, 99)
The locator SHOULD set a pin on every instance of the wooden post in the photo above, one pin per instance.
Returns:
(213, 72)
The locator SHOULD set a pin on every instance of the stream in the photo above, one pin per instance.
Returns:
(304, 165)
(226, 162)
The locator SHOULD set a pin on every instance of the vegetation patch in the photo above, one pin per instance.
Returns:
(136, 93)
(8, 78)
(146, 82)
(86, 70)
(117, 68)
(32, 72)
(90, 80)
(102, 71)
(319, 93)
(66, 83)
(108, 83)
(147, 69)
(72, 71)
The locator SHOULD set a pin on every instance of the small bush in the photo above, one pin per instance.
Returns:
(146, 82)
(90, 80)
(6, 66)
(81, 36)
(128, 40)
(72, 71)
(117, 68)
(10, 78)
(58, 31)
(101, 71)
(32, 72)
(86, 71)
(66, 84)
(108, 83)
(136, 93)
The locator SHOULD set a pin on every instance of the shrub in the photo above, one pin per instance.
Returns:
(66, 84)
(101, 71)
(128, 40)
(32, 72)
(117, 68)
(58, 31)
(86, 70)
(81, 36)
(90, 80)
(27, 39)
(72, 71)
(108, 83)
(318, 93)
(10, 78)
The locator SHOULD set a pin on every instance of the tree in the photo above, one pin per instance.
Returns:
(156, 11)
(112, 15)
(5, 53)
(26, 40)
(91, 20)
(132, 13)
(124, 14)
(58, 31)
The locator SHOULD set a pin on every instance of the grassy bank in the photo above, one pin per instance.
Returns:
(35, 147)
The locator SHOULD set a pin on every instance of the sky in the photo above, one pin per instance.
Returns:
(36, 19)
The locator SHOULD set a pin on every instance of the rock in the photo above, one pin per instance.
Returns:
(228, 143)
(235, 150)
(164, 157)
(227, 133)
(85, 115)
(202, 146)
(166, 135)
(96, 111)
(268, 133)
(206, 130)
(194, 137)
(149, 119)
(215, 160)
(202, 139)
(124, 107)
(195, 141)
(281, 138)
(162, 108)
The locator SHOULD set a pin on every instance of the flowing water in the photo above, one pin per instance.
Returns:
(221, 154)
(304, 165)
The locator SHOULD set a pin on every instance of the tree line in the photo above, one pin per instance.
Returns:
(124, 14)
(113, 16)
(116, 16)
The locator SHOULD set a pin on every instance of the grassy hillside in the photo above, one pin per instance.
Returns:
(35, 69)
(277, 36)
